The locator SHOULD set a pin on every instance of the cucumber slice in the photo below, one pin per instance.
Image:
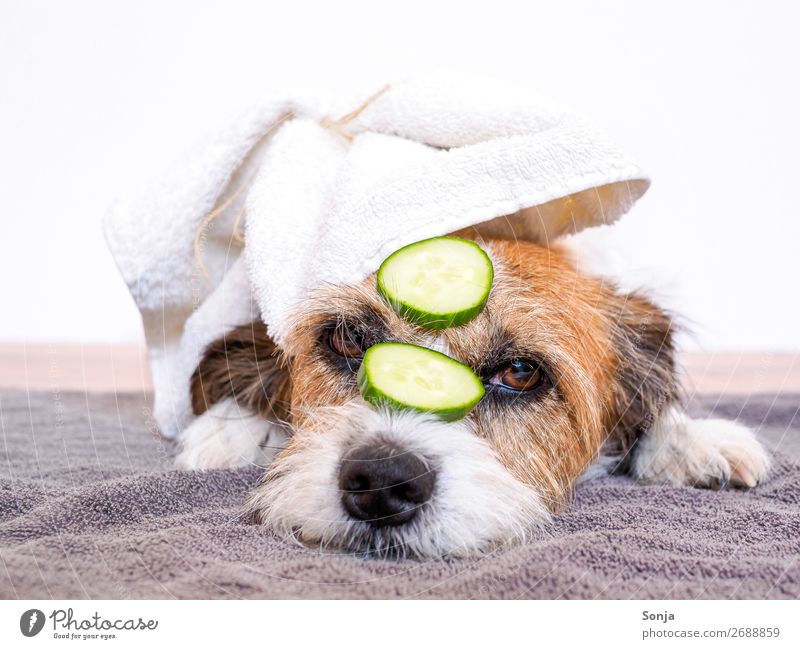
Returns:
(437, 283)
(415, 378)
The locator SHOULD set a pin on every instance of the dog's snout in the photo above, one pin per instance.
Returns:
(384, 485)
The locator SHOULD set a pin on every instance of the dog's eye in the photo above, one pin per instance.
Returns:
(520, 375)
(346, 342)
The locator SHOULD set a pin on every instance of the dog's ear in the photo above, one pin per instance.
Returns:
(245, 364)
(645, 382)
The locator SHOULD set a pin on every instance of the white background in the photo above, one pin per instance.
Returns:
(703, 94)
(470, 624)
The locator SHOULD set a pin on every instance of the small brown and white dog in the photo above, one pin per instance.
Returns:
(576, 374)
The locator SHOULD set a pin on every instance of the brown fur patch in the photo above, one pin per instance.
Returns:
(645, 375)
(244, 364)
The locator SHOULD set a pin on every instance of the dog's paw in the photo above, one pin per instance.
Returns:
(712, 453)
(227, 436)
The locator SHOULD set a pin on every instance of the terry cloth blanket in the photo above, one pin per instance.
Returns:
(324, 195)
(91, 507)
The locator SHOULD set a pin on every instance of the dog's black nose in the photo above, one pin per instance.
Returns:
(384, 485)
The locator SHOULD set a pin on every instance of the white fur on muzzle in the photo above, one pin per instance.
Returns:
(475, 506)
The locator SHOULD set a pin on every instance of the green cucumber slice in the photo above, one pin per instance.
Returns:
(437, 283)
(409, 377)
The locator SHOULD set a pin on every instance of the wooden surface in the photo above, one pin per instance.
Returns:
(74, 367)
(124, 369)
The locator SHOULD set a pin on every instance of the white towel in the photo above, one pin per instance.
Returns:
(325, 200)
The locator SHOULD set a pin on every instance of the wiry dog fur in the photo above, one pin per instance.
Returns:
(608, 386)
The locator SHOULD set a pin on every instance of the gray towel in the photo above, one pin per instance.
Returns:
(91, 507)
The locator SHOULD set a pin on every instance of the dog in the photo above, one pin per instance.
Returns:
(580, 378)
